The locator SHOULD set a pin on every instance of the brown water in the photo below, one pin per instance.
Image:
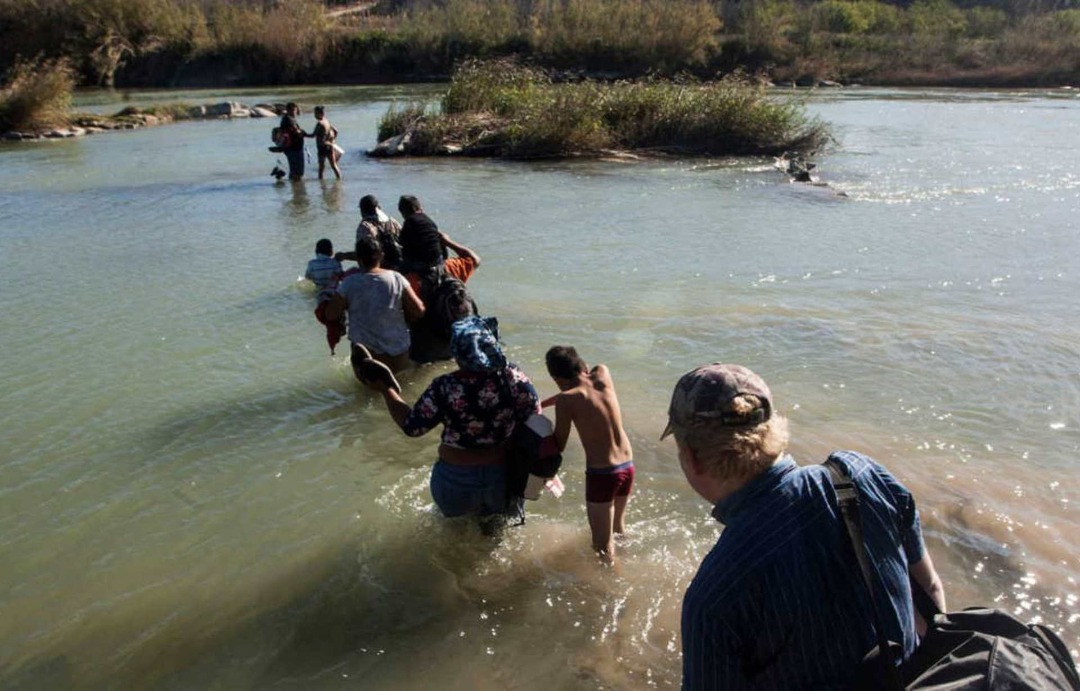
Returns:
(194, 494)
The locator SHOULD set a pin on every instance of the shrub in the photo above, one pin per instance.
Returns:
(36, 94)
(841, 17)
(525, 115)
(662, 34)
(936, 18)
(985, 22)
(438, 34)
(397, 120)
(768, 27)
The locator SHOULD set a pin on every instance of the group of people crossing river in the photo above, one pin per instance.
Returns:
(407, 302)
(776, 603)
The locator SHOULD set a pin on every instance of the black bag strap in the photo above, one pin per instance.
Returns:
(847, 495)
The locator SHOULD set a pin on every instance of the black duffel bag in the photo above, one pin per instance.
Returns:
(975, 649)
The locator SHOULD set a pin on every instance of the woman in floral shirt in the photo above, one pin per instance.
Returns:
(478, 405)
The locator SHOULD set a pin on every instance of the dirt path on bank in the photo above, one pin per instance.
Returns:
(355, 8)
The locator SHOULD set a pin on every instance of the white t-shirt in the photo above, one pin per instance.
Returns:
(376, 314)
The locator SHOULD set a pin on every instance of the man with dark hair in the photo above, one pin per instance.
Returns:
(377, 223)
(421, 243)
(294, 144)
(379, 303)
(587, 400)
(779, 602)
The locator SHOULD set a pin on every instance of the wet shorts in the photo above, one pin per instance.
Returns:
(604, 484)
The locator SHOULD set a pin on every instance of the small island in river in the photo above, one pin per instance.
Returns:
(505, 110)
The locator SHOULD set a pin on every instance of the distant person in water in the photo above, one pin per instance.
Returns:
(293, 145)
(324, 270)
(377, 223)
(379, 304)
(325, 137)
(587, 400)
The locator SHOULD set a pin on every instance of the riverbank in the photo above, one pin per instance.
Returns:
(134, 117)
(168, 44)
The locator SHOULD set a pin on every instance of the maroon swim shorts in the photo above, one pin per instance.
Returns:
(602, 485)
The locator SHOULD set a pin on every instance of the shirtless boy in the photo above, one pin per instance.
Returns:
(588, 400)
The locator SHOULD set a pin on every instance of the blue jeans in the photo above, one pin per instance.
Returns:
(459, 490)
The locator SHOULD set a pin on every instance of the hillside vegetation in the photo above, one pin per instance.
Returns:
(227, 42)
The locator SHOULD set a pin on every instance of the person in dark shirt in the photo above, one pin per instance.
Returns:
(293, 147)
(421, 244)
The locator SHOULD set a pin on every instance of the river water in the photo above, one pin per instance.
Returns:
(195, 494)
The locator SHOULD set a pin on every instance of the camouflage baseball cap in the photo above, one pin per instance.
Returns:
(703, 397)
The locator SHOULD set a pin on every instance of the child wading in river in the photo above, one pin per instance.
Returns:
(587, 400)
(325, 137)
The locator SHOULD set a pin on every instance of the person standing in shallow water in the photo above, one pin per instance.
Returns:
(325, 136)
(379, 303)
(588, 402)
(779, 603)
(293, 148)
(478, 405)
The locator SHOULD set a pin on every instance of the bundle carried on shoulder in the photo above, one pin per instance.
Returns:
(281, 139)
(535, 458)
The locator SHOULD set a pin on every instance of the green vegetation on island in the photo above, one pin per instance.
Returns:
(260, 42)
(500, 109)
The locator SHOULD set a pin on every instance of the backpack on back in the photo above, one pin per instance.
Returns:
(977, 649)
(445, 301)
(391, 246)
(449, 302)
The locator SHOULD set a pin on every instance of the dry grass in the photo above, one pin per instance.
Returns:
(36, 95)
(503, 109)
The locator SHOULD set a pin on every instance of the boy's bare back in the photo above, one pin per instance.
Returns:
(593, 408)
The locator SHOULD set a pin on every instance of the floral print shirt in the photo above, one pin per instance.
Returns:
(477, 409)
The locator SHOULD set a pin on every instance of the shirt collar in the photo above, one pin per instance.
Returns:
(729, 507)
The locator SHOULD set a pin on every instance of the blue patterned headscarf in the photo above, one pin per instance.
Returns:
(474, 343)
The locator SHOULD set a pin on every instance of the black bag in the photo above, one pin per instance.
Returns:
(449, 302)
(533, 451)
(976, 649)
(445, 301)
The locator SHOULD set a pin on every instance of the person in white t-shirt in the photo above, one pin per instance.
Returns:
(379, 304)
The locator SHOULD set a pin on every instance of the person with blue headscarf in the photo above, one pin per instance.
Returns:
(478, 405)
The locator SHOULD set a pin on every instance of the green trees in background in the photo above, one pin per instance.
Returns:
(165, 42)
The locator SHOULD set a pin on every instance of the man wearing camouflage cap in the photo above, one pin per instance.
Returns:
(778, 603)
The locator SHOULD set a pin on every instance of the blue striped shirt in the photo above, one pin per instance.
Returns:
(778, 603)
(324, 271)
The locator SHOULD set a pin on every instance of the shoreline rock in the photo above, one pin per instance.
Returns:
(133, 117)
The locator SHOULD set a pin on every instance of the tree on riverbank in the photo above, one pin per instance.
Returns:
(500, 109)
(232, 42)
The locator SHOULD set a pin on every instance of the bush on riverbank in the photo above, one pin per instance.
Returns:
(501, 109)
(226, 42)
(36, 94)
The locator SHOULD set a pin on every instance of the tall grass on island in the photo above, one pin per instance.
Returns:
(502, 109)
(36, 95)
